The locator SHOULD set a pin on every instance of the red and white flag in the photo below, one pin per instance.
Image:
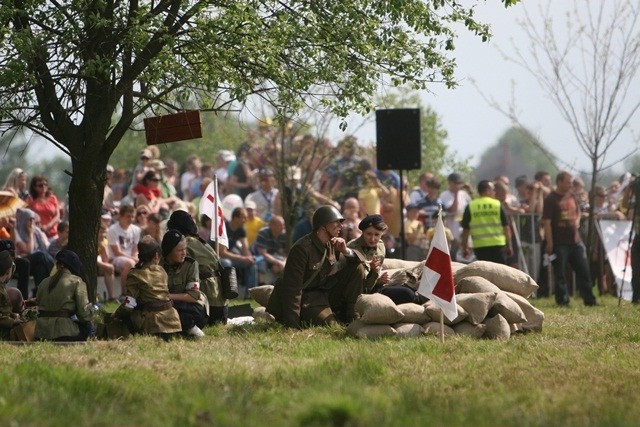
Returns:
(210, 203)
(437, 278)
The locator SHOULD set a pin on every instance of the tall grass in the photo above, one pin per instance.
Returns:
(582, 370)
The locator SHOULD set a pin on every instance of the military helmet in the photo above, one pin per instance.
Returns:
(324, 215)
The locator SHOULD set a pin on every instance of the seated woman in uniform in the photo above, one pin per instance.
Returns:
(184, 284)
(8, 317)
(63, 305)
(147, 299)
(371, 246)
(208, 264)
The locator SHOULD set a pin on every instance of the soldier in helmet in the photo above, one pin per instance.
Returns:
(313, 290)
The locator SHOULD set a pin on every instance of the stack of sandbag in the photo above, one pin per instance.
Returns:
(261, 295)
(491, 298)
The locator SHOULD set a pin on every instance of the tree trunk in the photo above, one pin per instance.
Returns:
(85, 202)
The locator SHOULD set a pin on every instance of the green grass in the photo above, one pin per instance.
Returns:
(582, 370)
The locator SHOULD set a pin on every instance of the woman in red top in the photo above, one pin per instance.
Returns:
(148, 193)
(43, 202)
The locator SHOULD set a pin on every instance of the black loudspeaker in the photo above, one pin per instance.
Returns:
(398, 135)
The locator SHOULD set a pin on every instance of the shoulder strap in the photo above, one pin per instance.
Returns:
(313, 276)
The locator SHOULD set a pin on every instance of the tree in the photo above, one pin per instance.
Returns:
(517, 152)
(68, 68)
(590, 75)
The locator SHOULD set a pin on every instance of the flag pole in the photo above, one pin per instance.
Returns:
(441, 311)
(215, 214)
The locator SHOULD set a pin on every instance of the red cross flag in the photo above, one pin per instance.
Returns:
(437, 279)
(209, 203)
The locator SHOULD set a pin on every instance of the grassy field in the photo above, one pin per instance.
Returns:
(582, 370)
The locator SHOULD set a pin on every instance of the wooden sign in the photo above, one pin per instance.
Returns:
(173, 127)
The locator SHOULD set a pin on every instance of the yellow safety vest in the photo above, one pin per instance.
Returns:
(485, 226)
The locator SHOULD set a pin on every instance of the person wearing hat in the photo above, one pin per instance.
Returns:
(267, 197)
(184, 284)
(8, 318)
(454, 201)
(208, 264)
(142, 167)
(225, 157)
(239, 254)
(147, 303)
(313, 291)
(64, 311)
(372, 248)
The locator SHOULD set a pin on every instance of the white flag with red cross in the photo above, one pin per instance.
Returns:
(437, 277)
(210, 203)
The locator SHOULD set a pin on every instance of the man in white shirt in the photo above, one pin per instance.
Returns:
(267, 197)
(123, 237)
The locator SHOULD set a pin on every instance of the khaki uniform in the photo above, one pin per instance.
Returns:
(369, 254)
(70, 295)
(148, 285)
(209, 266)
(330, 296)
(185, 278)
(6, 318)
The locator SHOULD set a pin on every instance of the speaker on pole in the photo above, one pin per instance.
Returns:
(398, 139)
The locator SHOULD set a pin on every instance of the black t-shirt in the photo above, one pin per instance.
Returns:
(234, 237)
(563, 211)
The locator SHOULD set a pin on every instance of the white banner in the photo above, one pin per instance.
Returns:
(615, 238)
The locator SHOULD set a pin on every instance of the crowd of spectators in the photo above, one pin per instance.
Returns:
(139, 200)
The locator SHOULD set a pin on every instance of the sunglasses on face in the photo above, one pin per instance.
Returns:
(143, 213)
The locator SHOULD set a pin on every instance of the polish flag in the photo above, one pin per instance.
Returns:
(437, 279)
(209, 203)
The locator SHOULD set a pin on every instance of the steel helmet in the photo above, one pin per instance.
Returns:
(324, 215)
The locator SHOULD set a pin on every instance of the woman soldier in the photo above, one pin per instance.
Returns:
(208, 264)
(371, 246)
(61, 297)
(184, 284)
(147, 295)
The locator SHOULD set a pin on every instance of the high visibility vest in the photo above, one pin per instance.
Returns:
(485, 226)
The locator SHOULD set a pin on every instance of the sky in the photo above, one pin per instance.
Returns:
(472, 124)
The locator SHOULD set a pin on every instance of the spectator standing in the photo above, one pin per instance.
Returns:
(240, 180)
(142, 167)
(105, 268)
(485, 221)
(192, 171)
(371, 194)
(44, 203)
(421, 191)
(454, 202)
(561, 222)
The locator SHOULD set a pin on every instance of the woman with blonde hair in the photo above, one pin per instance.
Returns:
(17, 183)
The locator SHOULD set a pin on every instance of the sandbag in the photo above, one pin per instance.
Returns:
(261, 294)
(504, 277)
(433, 328)
(408, 330)
(508, 308)
(260, 314)
(414, 313)
(474, 285)
(467, 329)
(359, 329)
(535, 317)
(477, 305)
(497, 328)
(378, 309)
(434, 313)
